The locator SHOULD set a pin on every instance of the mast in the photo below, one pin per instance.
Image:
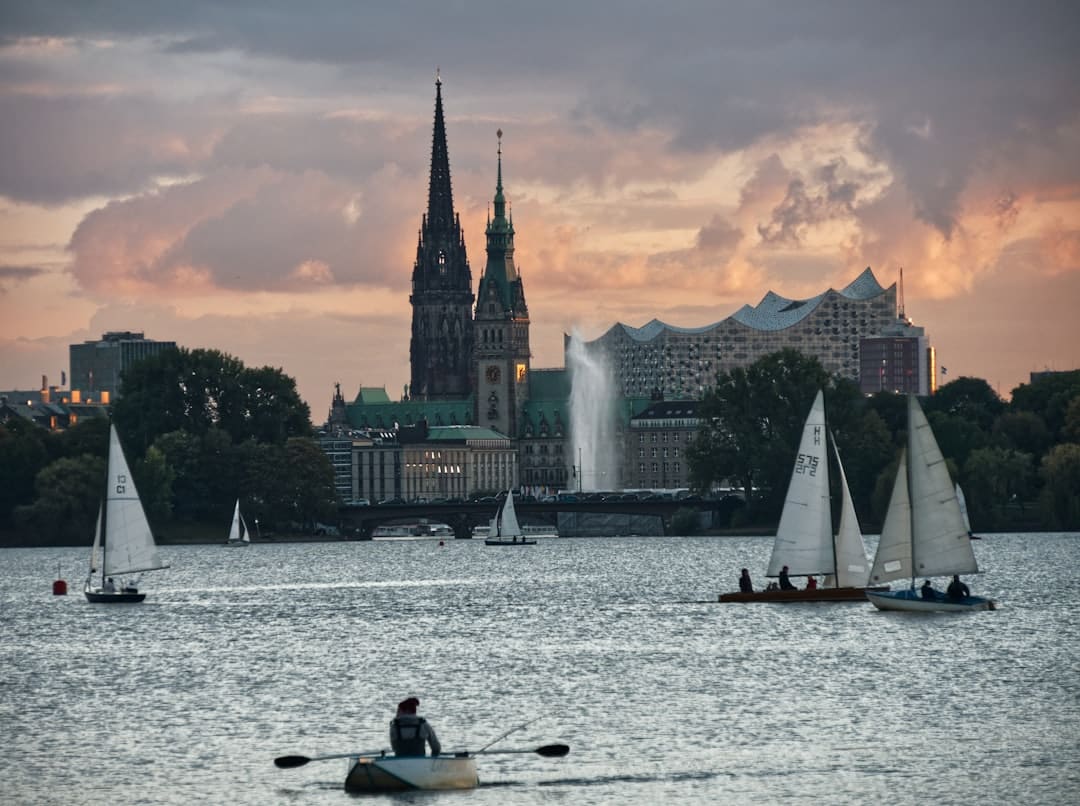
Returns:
(911, 500)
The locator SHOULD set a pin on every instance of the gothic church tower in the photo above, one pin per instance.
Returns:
(502, 327)
(441, 348)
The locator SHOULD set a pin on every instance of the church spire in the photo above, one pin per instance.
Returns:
(442, 298)
(440, 210)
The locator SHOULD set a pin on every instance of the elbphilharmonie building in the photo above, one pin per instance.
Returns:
(681, 363)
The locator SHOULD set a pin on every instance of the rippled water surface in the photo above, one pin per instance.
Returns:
(239, 655)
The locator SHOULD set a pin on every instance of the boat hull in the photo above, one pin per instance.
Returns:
(496, 542)
(911, 601)
(403, 773)
(118, 597)
(801, 595)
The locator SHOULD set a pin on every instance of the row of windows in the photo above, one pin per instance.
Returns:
(669, 467)
(663, 437)
(674, 453)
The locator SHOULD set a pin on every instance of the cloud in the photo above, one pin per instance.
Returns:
(9, 275)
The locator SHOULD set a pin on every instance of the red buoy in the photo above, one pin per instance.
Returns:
(59, 588)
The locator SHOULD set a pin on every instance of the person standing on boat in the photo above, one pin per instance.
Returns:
(745, 583)
(409, 732)
(785, 583)
(957, 590)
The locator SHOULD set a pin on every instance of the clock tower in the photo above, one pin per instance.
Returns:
(501, 326)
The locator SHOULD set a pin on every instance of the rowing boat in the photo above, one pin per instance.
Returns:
(403, 773)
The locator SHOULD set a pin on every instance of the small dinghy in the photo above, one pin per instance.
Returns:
(402, 773)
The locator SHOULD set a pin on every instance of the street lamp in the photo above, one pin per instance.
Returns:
(258, 534)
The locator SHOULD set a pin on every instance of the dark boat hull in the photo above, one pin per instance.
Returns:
(496, 542)
(122, 596)
(801, 595)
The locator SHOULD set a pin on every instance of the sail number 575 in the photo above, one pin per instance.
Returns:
(807, 465)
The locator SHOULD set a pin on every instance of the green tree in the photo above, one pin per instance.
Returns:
(22, 456)
(752, 422)
(993, 478)
(154, 479)
(69, 491)
(1060, 499)
(970, 399)
(957, 436)
(309, 479)
(1049, 396)
(1024, 431)
(1071, 429)
(199, 390)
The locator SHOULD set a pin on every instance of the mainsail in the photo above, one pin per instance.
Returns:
(807, 515)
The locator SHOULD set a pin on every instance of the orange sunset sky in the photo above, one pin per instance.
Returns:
(250, 177)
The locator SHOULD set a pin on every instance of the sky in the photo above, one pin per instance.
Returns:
(250, 176)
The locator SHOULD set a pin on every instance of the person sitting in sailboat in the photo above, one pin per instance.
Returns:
(785, 582)
(927, 590)
(409, 732)
(811, 583)
(109, 586)
(957, 590)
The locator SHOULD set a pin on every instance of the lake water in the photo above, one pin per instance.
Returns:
(239, 655)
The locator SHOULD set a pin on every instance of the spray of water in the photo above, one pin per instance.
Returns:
(592, 418)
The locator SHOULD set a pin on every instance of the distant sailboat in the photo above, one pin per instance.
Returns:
(123, 532)
(924, 532)
(804, 538)
(504, 529)
(238, 532)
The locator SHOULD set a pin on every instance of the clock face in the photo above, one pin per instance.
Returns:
(492, 374)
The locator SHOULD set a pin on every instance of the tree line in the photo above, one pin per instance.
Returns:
(1017, 461)
(199, 430)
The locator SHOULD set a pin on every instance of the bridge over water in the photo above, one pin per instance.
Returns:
(462, 517)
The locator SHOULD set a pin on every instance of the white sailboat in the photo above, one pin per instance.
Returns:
(238, 532)
(804, 538)
(504, 529)
(123, 532)
(924, 532)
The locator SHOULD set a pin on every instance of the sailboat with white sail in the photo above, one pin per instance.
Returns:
(805, 542)
(504, 529)
(239, 535)
(924, 532)
(123, 541)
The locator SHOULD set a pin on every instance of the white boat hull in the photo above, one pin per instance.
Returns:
(911, 601)
(403, 773)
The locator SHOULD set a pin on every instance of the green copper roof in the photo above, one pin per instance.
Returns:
(372, 394)
(384, 414)
(500, 271)
(460, 433)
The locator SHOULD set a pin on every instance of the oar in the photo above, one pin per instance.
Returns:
(288, 762)
(547, 751)
(502, 736)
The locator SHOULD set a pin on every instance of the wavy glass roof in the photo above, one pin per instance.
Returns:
(774, 312)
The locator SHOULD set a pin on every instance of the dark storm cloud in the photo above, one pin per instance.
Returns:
(9, 275)
(939, 88)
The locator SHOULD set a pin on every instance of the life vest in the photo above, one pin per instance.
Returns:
(410, 735)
